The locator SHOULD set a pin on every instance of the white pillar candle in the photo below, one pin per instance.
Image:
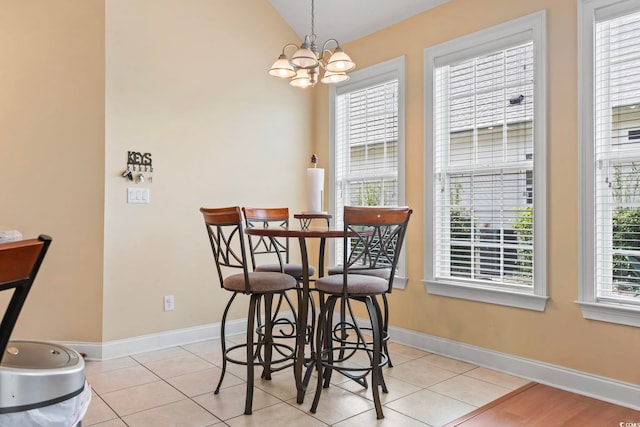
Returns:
(315, 189)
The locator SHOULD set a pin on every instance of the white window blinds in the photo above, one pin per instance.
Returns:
(483, 168)
(366, 148)
(366, 158)
(617, 155)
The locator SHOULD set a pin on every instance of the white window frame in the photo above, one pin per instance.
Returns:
(592, 307)
(530, 27)
(361, 79)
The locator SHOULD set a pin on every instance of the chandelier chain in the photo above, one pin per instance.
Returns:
(313, 17)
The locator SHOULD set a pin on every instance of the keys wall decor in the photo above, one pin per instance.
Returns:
(139, 167)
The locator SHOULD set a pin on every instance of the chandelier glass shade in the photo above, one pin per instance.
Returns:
(304, 66)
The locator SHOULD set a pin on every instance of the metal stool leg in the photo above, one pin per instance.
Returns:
(223, 342)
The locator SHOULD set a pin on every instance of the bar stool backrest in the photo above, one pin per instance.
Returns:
(374, 237)
(224, 227)
(19, 265)
(261, 245)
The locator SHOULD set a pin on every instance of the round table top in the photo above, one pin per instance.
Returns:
(318, 232)
(312, 215)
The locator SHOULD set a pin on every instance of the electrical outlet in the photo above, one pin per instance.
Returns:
(169, 303)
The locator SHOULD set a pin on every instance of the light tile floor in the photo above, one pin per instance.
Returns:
(174, 387)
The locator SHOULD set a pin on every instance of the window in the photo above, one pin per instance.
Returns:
(609, 49)
(485, 165)
(367, 147)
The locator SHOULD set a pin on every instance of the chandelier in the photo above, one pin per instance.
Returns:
(303, 68)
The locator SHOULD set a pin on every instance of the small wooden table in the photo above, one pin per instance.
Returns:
(302, 234)
(306, 218)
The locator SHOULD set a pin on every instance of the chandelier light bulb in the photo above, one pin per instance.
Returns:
(282, 68)
(301, 79)
(304, 58)
(330, 77)
(340, 62)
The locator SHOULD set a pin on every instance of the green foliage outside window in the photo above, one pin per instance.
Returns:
(460, 226)
(368, 194)
(460, 223)
(626, 236)
(372, 193)
(524, 233)
(626, 228)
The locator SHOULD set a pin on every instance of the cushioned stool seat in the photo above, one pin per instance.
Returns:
(294, 270)
(260, 282)
(357, 284)
(378, 272)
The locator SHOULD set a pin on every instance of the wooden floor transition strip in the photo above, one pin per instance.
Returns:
(537, 405)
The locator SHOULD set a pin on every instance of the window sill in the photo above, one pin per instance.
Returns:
(527, 301)
(400, 282)
(610, 312)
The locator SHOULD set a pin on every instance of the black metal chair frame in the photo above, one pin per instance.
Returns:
(226, 236)
(372, 237)
(264, 245)
(367, 264)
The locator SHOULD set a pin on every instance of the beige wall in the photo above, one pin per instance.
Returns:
(52, 157)
(559, 335)
(187, 82)
(82, 83)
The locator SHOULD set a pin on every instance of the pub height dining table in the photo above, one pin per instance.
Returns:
(302, 233)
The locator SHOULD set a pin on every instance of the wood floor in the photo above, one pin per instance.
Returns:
(537, 405)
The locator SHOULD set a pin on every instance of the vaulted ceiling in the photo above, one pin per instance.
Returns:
(347, 20)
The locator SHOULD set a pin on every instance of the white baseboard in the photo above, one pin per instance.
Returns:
(602, 388)
(606, 389)
(126, 347)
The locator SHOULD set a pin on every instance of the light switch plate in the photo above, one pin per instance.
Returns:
(138, 195)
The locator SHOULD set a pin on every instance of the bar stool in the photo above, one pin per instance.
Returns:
(224, 228)
(374, 235)
(276, 251)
